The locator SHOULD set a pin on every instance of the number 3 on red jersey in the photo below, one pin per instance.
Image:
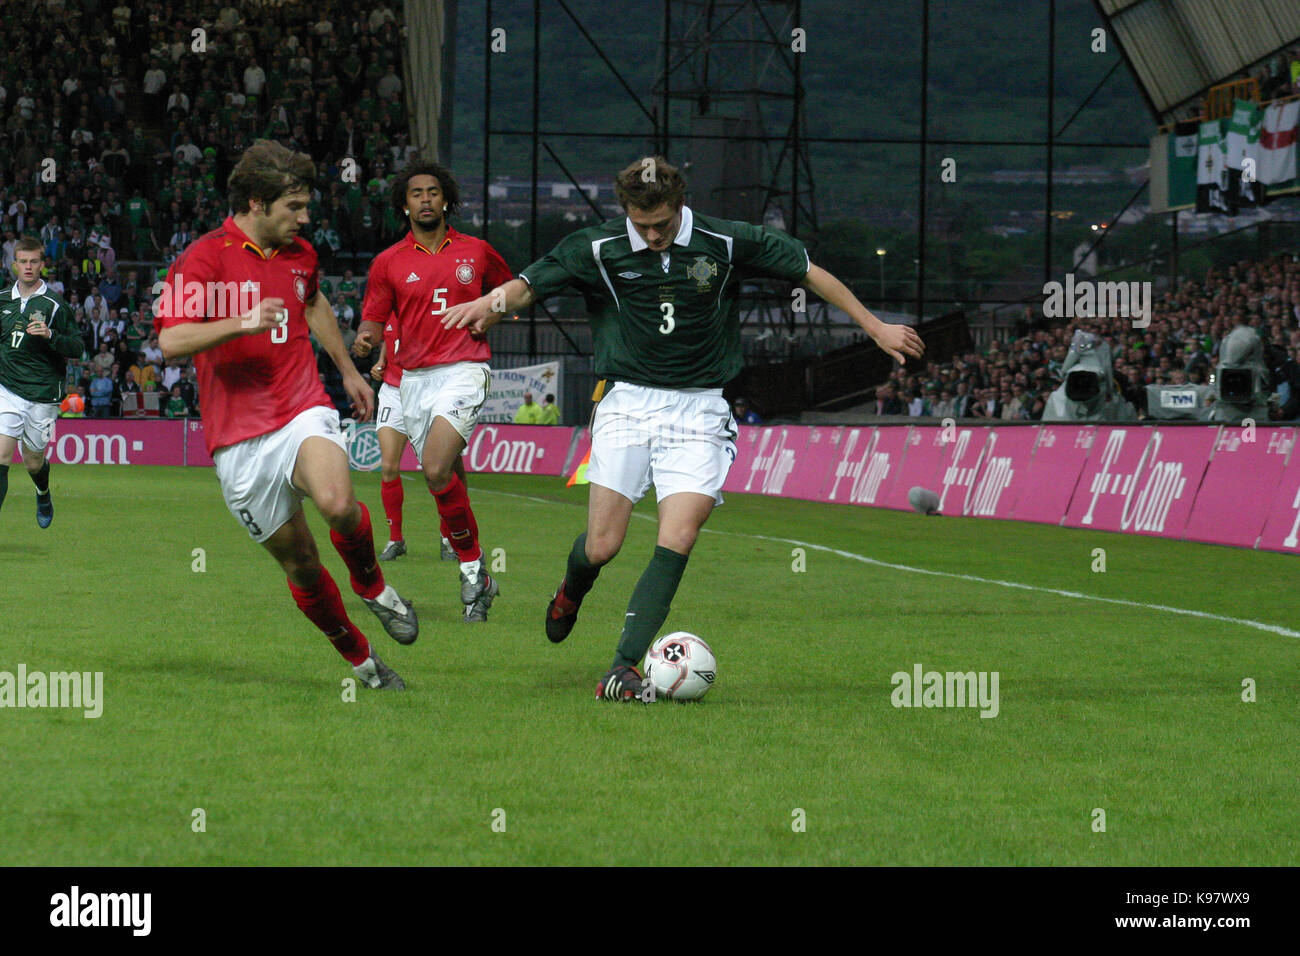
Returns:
(280, 334)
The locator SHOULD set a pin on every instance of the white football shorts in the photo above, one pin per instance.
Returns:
(676, 439)
(388, 414)
(456, 392)
(29, 422)
(256, 474)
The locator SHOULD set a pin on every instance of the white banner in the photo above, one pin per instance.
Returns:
(509, 385)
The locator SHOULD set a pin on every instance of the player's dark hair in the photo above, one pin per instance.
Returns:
(446, 181)
(649, 183)
(28, 244)
(265, 172)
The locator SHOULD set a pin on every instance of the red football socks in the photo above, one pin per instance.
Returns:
(323, 606)
(458, 519)
(358, 552)
(393, 495)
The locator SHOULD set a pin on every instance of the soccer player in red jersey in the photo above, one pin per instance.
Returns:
(390, 428)
(269, 425)
(445, 375)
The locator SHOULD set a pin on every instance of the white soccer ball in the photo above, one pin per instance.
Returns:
(681, 666)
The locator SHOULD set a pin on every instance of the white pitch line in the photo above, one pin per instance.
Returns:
(1258, 625)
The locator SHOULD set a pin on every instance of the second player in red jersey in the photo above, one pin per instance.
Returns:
(445, 375)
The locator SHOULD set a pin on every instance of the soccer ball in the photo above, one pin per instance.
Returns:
(680, 666)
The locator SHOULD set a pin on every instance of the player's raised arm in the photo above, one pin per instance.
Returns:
(897, 340)
(324, 324)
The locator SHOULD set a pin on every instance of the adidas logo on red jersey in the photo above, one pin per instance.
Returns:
(412, 278)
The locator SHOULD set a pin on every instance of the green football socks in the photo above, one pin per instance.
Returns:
(580, 574)
(651, 600)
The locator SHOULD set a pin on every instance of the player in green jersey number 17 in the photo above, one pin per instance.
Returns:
(662, 284)
(38, 335)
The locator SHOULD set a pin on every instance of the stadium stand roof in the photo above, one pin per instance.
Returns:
(1177, 49)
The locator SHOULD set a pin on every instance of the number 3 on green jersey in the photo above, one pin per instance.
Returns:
(669, 324)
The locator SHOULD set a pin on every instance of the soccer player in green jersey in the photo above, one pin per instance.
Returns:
(662, 285)
(37, 336)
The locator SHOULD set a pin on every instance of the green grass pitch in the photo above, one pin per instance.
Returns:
(220, 695)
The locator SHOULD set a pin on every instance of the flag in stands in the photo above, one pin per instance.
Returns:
(1182, 165)
(1242, 153)
(1277, 142)
(1210, 168)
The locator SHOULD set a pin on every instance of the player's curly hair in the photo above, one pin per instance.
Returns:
(649, 183)
(265, 172)
(450, 188)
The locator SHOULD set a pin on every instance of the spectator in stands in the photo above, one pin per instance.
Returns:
(550, 411)
(111, 292)
(73, 405)
(103, 358)
(176, 407)
(101, 393)
(178, 105)
(143, 372)
(343, 309)
(961, 401)
(887, 402)
(945, 407)
(190, 389)
(152, 351)
(529, 413)
(743, 414)
(916, 405)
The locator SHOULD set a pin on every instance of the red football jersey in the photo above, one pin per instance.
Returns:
(412, 286)
(392, 366)
(254, 384)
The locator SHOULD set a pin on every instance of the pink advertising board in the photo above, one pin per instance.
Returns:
(926, 451)
(1141, 479)
(1054, 468)
(1242, 473)
(1206, 483)
(985, 471)
(1282, 526)
(114, 441)
(773, 457)
(864, 463)
(808, 480)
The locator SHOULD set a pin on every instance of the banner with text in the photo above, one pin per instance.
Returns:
(509, 385)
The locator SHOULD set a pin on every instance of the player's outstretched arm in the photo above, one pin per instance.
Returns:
(189, 338)
(325, 326)
(897, 340)
(487, 310)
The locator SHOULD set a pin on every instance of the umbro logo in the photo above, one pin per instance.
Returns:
(629, 275)
(412, 278)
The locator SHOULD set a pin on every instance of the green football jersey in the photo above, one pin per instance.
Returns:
(32, 366)
(671, 319)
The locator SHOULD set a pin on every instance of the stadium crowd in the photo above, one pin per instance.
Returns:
(119, 125)
(1012, 380)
